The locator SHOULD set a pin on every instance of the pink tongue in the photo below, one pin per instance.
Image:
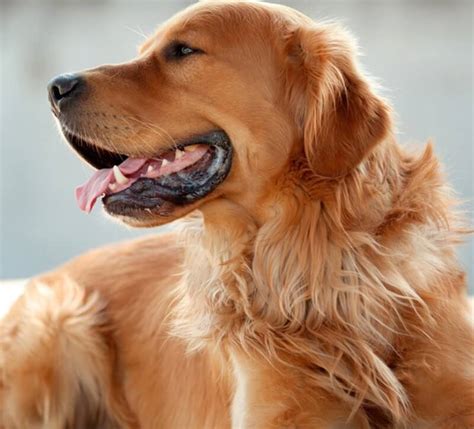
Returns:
(133, 168)
(88, 193)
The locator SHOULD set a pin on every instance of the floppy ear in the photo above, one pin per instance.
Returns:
(340, 116)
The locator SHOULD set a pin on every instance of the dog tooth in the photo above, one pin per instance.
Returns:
(164, 162)
(119, 176)
(150, 169)
(191, 148)
(178, 154)
(112, 186)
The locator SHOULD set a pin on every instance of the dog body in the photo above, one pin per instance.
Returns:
(78, 309)
(317, 288)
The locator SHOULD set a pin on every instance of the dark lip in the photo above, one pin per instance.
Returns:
(92, 154)
(160, 195)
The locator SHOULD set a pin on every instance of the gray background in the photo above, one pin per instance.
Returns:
(422, 51)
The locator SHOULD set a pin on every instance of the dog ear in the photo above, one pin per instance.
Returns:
(341, 118)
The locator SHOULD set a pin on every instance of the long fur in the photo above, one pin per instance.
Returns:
(333, 299)
(305, 287)
(60, 320)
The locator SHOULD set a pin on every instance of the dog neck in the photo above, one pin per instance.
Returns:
(331, 261)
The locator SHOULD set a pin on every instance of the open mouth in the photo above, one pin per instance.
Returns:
(177, 176)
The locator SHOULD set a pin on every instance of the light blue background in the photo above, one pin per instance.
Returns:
(422, 52)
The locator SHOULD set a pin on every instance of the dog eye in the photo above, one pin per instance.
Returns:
(178, 50)
(185, 50)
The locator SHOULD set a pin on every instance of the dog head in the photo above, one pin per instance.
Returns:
(217, 105)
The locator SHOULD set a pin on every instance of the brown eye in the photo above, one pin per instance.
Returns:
(179, 50)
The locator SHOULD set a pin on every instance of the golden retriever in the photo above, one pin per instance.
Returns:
(317, 287)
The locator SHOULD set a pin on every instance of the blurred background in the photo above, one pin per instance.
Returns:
(422, 51)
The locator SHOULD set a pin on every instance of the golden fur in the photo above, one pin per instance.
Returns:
(317, 287)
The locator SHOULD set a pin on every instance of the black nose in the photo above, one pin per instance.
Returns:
(63, 87)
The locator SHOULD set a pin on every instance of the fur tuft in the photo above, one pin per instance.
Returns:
(57, 361)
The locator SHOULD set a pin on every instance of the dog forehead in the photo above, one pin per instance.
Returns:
(185, 24)
(216, 18)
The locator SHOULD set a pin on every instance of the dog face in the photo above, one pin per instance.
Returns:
(217, 105)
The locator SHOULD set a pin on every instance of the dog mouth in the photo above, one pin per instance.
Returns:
(176, 176)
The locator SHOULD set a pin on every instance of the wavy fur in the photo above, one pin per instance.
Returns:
(317, 287)
(309, 288)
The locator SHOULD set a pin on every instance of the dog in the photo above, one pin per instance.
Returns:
(313, 282)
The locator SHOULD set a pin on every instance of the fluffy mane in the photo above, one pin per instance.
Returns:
(340, 270)
(318, 285)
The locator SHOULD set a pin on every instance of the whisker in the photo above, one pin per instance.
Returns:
(153, 127)
(145, 143)
(138, 32)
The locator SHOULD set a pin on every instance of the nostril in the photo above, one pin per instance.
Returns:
(56, 93)
(63, 86)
